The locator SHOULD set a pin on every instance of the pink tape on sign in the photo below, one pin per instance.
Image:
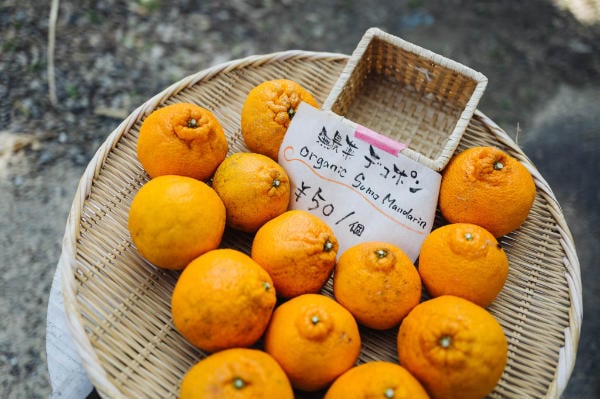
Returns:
(378, 140)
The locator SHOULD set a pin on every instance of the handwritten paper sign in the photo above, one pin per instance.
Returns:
(358, 181)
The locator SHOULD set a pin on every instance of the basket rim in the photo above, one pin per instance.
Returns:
(67, 264)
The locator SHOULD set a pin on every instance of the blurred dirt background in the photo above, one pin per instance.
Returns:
(542, 58)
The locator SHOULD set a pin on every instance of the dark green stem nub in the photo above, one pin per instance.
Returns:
(388, 393)
(445, 341)
(291, 112)
(498, 165)
(328, 246)
(468, 236)
(315, 320)
(267, 286)
(192, 123)
(276, 183)
(238, 383)
(381, 253)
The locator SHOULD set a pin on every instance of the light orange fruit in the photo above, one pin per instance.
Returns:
(254, 189)
(298, 250)
(222, 299)
(376, 380)
(377, 283)
(181, 139)
(487, 187)
(237, 373)
(454, 347)
(314, 339)
(174, 219)
(465, 260)
(267, 113)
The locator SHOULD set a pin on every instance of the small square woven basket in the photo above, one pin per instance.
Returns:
(409, 94)
(118, 305)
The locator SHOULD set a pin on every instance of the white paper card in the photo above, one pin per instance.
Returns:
(358, 181)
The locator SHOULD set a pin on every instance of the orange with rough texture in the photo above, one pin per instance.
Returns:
(377, 283)
(465, 260)
(181, 139)
(267, 113)
(314, 339)
(376, 380)
(487, 187)
(298, 250)
(174, 219)
(237, 373)
(222, 299)
(454, 347)
(254, 189)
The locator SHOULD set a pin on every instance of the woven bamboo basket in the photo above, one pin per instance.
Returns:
(408, 93)
(118, 305)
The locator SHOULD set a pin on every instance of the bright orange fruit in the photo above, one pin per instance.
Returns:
(298, 250)
(222, 299)
(181, 139)
(454, 347)
(237, 373)
(377, 283)
(376, 380)
(465, 260)
(267, 113)
(174, 219)
(314, 339)
(487, 187)
(254, 189)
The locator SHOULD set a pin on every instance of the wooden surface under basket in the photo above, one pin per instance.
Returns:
(118, 305)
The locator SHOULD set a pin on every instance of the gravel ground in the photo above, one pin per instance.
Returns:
(110, 56)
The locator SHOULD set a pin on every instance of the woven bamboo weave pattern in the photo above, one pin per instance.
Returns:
(118, 305)
(408, 93)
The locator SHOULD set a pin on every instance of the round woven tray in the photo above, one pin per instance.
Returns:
(118, 305)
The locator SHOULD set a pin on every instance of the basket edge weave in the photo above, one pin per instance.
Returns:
(568, 352)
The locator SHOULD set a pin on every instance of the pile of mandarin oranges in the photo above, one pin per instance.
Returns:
(261, 316)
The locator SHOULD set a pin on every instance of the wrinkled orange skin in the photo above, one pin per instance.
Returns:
(298, 250)
(169, 142)
(237, 373)
(377, 283)
(474, 191)
(174, 219)
(222, 299)
(314, 339)
(454, 347)
(267, 113)
(465, 260)
(376, 380)
(254, 189)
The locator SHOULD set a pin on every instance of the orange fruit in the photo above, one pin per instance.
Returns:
(267, 112)
(254, 189)
(454, 347)
(181, 139)
(314, 339)
(298, 250)
(487, 187)
(222, 299)
(377, 283)
(237, 373)
(174, 219)
(376, 380)
(465, 260)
